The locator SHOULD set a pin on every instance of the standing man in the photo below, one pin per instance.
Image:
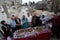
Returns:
(55, 26)
(29, 17)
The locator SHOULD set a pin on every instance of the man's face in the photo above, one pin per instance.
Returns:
(13, 18)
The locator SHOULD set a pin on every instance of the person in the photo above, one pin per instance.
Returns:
(55, 26)
(18, 23)
(35, 20)
(42, 18)
(25, 22)
(6, 29)
(43, 12)
(13, 24)
(29, 17)
(40, 22)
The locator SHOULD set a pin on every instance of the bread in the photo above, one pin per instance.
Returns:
(21, 31)
(30, 29)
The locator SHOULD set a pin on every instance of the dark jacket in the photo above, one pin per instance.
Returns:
(55, 24)
(36, 21)
(17, 21)
(6, 30)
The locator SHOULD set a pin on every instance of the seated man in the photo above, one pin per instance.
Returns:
(18, 23)
(35, 20)
(13, 24)
(6, 29)
(29, 17)
(25, 22)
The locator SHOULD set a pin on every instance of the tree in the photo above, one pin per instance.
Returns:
(6, 10)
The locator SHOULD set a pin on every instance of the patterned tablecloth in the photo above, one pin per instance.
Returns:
(34, 35)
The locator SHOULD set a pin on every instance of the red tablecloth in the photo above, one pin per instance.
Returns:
(40, 36)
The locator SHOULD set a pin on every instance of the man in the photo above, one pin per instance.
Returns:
(55, 26)
(18, 23)
(42, 18)
(29, 17)
(24, 22)
(35, 20)
(6, 29)
(13, 23)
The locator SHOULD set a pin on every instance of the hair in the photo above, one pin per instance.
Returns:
(2, 22)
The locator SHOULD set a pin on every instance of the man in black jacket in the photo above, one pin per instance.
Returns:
(36, 21)
(6, 29)
(18, 23)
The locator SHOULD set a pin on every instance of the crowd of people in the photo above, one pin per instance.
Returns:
(30, 21)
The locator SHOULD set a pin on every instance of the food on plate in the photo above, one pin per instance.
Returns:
(21, 31)
(30, 29)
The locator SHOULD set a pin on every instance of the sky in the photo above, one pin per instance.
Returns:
(24, 1)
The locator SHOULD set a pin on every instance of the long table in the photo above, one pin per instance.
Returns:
(41, 36)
